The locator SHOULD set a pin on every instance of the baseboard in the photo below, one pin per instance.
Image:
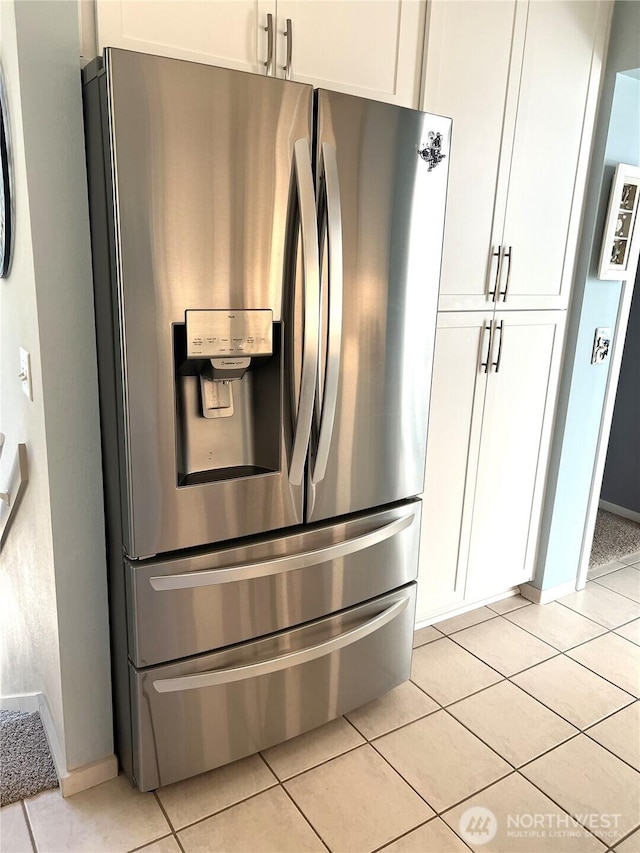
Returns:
(622, 511)
(444, 613)
(71, 781)
(545, 596)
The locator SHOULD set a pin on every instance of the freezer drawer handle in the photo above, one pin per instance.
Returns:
(249, 571)
(254, 670)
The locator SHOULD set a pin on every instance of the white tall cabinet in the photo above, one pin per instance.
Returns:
(372, 49)
(520, 79)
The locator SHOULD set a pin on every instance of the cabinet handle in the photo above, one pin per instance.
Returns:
(289, 34)
(269, 31)
(484, 365)
(507, 254)
(496, 254)
(499, 328)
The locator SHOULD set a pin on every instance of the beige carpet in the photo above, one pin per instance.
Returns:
(614, 537)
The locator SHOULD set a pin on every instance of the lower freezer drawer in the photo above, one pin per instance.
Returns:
(192, 716)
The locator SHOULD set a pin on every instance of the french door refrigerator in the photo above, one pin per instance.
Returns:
(266, 266)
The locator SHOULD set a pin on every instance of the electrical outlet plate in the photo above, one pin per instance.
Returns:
(25, 373)
(601, 345)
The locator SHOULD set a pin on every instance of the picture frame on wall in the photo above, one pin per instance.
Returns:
(621, 241)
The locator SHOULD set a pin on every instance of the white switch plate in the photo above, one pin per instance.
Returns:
(601, 344)
(25, 373)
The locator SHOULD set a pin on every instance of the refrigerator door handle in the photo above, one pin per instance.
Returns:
(334, 344)
(279, 565)
(254, 670)
(311, 267)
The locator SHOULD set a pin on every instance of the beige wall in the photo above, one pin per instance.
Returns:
(52, 569)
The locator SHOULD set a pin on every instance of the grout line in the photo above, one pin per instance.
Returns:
(29, 827)
(404, 779)
(493, 616)
(275, 784)
(617, 592)
(168, 819)
(305, 818)
(153, 841)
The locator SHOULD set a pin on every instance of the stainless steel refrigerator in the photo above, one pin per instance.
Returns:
(266, 266)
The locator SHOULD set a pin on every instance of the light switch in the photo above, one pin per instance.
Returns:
(601, 344)
(25, 373)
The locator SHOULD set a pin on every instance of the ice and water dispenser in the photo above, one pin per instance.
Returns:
(228, 368)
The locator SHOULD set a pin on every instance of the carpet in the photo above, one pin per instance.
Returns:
(614, 537)
(26, 766)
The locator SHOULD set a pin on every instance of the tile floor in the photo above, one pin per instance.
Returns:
(519, 731)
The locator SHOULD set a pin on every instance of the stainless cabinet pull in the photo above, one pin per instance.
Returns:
(280, 565)
(496, 254)
(269, 31)
(254, 670)
(289, 34)
(496, 363)
(329, 171)
(311, 267)
(484, 365)
(508, 253)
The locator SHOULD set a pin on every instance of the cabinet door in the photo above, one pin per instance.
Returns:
(474, 80)
(457, 399)
(516, 431)
(371, 49)
(552, 136)
(230, 33)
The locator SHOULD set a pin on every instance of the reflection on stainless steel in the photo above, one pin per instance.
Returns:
(264, 436)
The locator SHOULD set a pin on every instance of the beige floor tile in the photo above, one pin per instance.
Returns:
(630, 844)
(506, 605)
(402, 705)
(432, 837)
(577, 694)
(447, 672)
(465, 620)
(559, 626)
(513, 723)
(441, 759)
(310, 749)
(268, 822)
(504, 646)
(631, 631)
(511, 805)
(357, 802)
(614, 658)
(604, 569)
(585, 779)
(624, 581)
(111, 816)
(426, 635)
(602, 605)
(14, 835)
(620, 734)
(168, 844)
(201, 796)
(631, 559)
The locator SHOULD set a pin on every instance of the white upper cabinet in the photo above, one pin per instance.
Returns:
(520, 79)
(373, 49)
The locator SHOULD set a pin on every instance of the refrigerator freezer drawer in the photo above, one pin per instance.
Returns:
(194, 604)
(195, 715)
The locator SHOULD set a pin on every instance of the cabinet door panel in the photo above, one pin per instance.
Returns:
(467, 77)
(229, 33)
(457, 397)
(371, 49)
(554, 90)
(518, 412)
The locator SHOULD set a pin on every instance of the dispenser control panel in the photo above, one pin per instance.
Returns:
(211, 334)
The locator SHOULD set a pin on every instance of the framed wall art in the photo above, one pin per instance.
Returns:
(621, 241)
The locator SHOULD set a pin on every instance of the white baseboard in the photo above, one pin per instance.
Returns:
(619, 510)
(71, 781)
(545, 596)
(448, 613)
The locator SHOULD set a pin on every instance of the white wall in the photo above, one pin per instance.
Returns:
(53, 565)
